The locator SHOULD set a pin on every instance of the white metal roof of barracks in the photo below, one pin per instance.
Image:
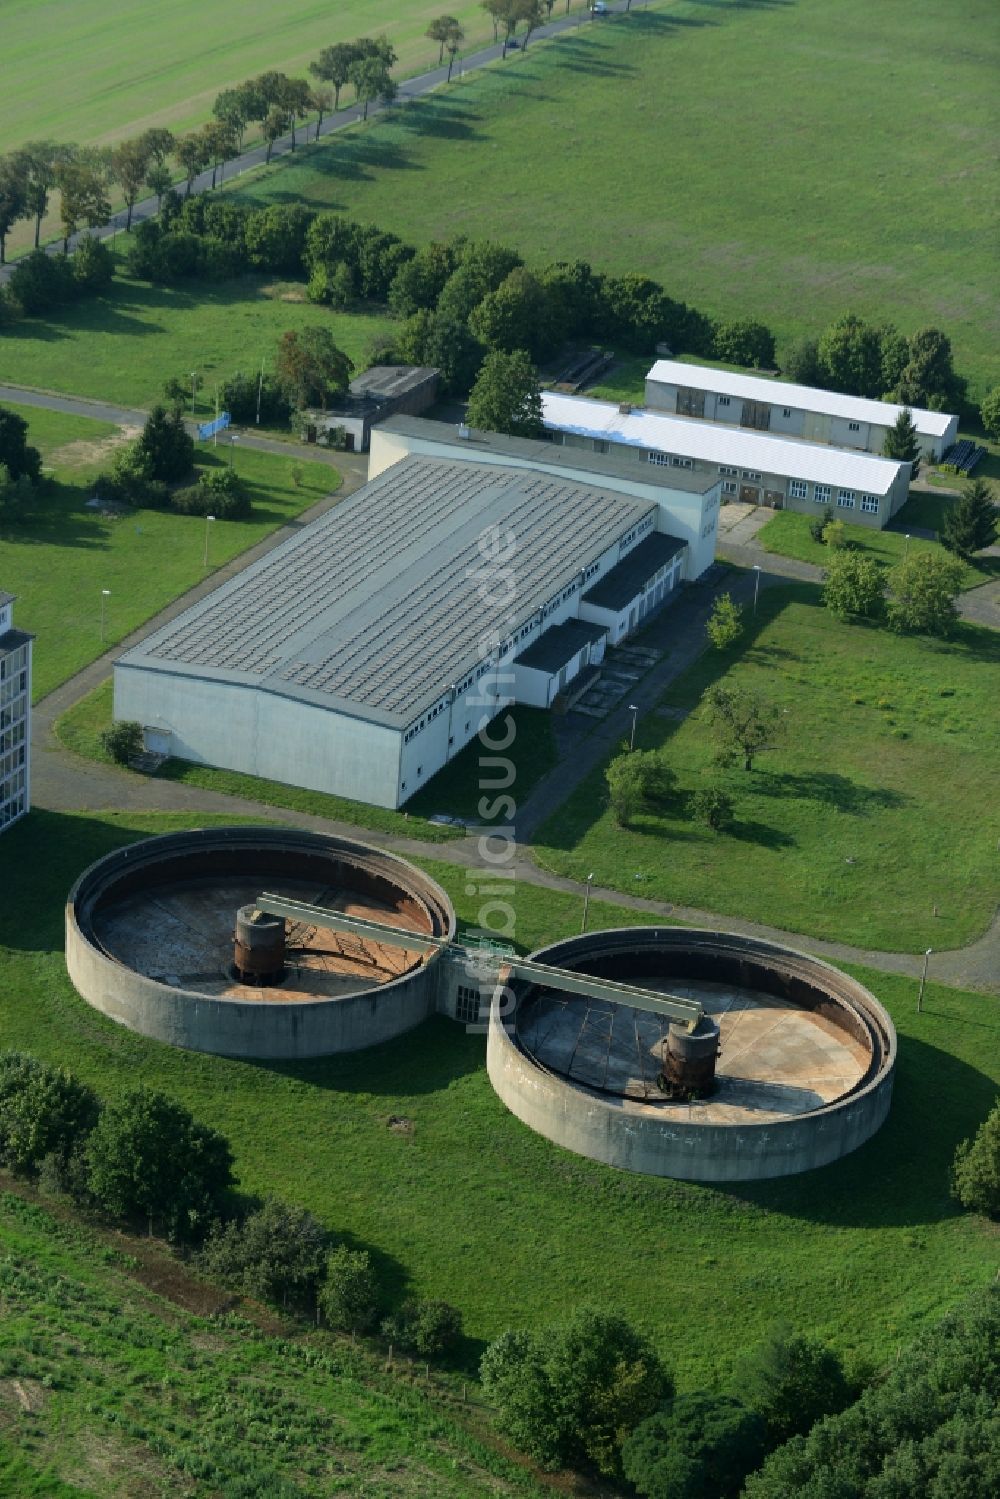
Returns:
(713, 442)
(798, 397)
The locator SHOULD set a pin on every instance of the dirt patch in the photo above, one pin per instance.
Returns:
(400, 1125)
(284, 291)
(82, 454)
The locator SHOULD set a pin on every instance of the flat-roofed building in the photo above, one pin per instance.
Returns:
(381, 391)
(801, 411)
(15, 716)
(753, 467)
(363, 653)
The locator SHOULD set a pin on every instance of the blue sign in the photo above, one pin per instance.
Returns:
(209, 429)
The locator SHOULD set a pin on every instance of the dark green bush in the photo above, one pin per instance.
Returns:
(428, 1328)
(122, 741)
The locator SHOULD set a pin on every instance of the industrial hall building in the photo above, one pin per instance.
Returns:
(15, 716)
(755, 468)
(363, 653)
(803, 411)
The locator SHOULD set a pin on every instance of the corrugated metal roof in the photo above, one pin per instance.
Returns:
(713, 443)
(375, 609)
(801, 397)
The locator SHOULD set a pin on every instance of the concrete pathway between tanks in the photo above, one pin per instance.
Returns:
(63, 782)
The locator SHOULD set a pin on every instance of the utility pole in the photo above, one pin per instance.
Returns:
(923, 981)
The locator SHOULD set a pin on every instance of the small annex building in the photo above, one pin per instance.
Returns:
(382, 391)
(803, 411)
(753, 467)
(364, 652)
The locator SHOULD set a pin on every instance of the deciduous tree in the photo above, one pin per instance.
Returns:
(16, 454)
(745, 723)
(147, 1155)
(372, 80)
(310, 369)
(333, 66)
(975, 1177)
(129, 165)
(854, 586)
(82, 179)
(638, 781)
(348, 1295)
(516, 316)
(43, 161)
(276, 1253)
(14, 205)
(276, 122)
(989, 412)
(192, 158)
(697, 1447)
(441, 30)
(507, 396)
(922, 593)
(971, 524)
(745, 342)
(928, 378)
(791, 1381)
(44, 1110)
(571, 1394)
(850, 356)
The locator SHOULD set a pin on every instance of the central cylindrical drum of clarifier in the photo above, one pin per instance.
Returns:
(259, 951)
(690, 1057)
(662, 1133)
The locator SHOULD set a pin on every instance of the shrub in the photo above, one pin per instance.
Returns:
(348, 1296)
(276, 1254)
(699, 1447)
(19, 458)
(975, 1177)
(572, 1393)
(922, 593)
(835, 535)
(712, 806)
(131, 474)
(240, 394)
(818, 525)
(122, 741)
(429, 1328)
(147, 1155)
(44, 1111)
(93, 265)
(638, 781)
(854, 586)
(40, 282)
(219, 492)
(747, 342)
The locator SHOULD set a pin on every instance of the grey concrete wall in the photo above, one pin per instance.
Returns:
(229, 1027)
(657, 1140)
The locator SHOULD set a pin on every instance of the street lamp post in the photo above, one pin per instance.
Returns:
(633, 708)
(923, 980)
(586, 903)
(906, 545)
(756, 584)
(234, 438)
(105, 595)
(208, 521)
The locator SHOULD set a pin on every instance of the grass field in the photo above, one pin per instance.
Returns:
(787, 161)
(98, 70)
(123, 347)
(471, 1206)
(110, 1387)
(787, 533)
(59, 559)
(869, 823)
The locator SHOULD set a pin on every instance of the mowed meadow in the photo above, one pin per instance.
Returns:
(786, 159)
(98, 70)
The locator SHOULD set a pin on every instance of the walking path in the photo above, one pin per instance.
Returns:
(410, 89)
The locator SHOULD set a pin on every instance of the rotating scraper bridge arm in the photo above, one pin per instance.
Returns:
(687, 1011)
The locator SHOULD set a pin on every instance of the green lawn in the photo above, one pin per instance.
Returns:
(746, 155)
(787, 533)
(132, 1390)
(123, 347)
(60, 559)
(97, 70)
(869, 823)
(471, 1206)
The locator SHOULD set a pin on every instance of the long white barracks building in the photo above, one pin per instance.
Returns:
(363, 653)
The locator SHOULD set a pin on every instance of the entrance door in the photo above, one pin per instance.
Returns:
(749, 494)
(774, 498)
(756, 414)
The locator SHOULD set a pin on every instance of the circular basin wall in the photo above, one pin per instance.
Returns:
(149, 941)
(804, 1073)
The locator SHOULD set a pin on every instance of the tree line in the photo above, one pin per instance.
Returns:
(590, 1392)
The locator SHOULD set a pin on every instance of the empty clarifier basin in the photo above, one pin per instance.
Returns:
(803, 1076)
(154, 932)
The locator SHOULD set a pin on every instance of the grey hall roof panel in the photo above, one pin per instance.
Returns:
(376, 608)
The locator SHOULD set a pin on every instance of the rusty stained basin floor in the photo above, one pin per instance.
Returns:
(776, 1060)
(183, 935)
